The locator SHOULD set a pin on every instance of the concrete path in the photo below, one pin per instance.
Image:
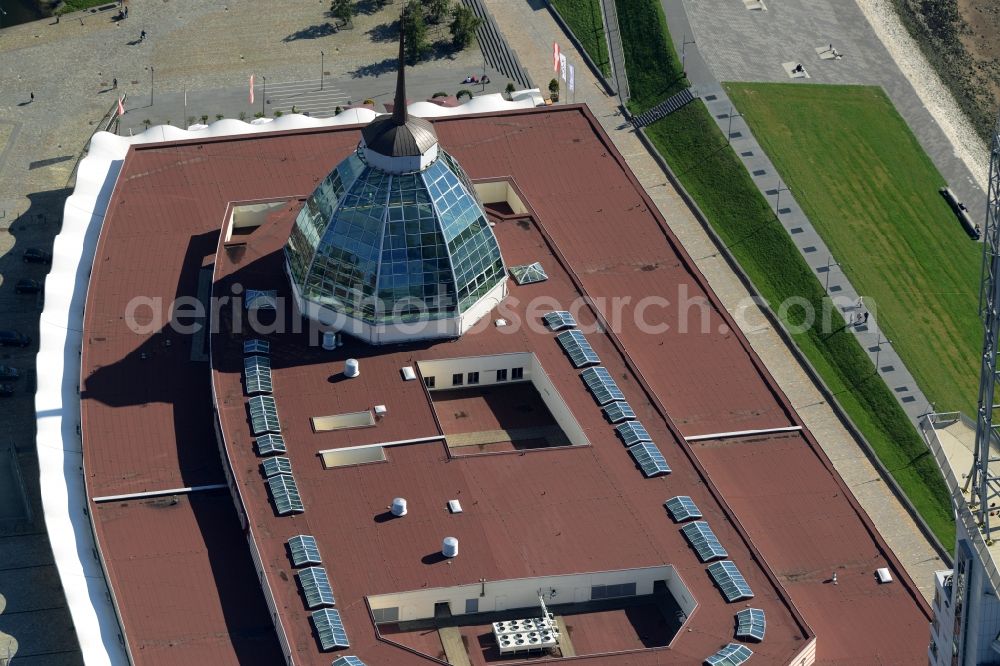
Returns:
(815, 252)
(531, 30)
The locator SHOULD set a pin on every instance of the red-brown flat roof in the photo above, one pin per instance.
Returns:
(145, 432)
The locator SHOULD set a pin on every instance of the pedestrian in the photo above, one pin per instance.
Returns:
(126, 11)
(32, 96)
(114, 84)
(866, 317)
(142, 36)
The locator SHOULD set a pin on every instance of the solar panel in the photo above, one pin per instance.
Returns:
(682, 508)
(285, 494)
(270, 443)
(330, 628)
(559, 319)
(580, 352)
(633, 432)
(528, 273)
(601, 385)
(751, 624)
(264, 415)
(649, 458)
(704, 541)
(619, 411)
(261, 299)
(256, 346)
(316, 587)
(349, 660)
(733, 654)
(729, 579)
(257, 371)
(276, 465)
(304, 550)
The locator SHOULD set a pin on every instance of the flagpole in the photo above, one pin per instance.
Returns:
(184, 121)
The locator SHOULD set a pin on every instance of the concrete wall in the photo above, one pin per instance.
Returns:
(523, 592)
(500, 190)
(250, 215)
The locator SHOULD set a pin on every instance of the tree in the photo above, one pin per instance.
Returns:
(437, 10)
(554, 90)
(342, 10)
(463, 26)
(415, 31)
(509, 89)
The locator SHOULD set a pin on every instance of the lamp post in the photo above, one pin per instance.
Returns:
(878, 348)
(263, 96)
(322, 69)
(830, 263)
(777, 199)
(729, 132)
(152, 83)
(684, 42)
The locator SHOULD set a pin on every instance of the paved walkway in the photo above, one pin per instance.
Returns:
(531, 30)
(815, 252)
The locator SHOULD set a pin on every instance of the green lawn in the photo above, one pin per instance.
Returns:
(584, 19)
(76, 5)
(697, 151)
(872, 193)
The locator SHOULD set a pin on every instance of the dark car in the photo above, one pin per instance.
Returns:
(14, 339)
(35, 256)
(27, 286)
(7, 372)
(6, 390)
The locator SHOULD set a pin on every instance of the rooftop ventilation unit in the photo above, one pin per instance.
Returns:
(455, 506)
(408, 374)
(352, 368)
(449, 547)
(399, 507)
(329, 340)
(883, 575)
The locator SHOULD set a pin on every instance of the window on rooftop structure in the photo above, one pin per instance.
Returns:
(517, 373)
(429, 382)
(383, 615)
(473, 378)
(471, 606)
(456, 379)
(502, 375)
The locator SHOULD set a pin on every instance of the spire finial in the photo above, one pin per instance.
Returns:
(399, 115)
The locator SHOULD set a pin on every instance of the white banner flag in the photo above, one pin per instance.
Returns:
(572, 78)
(251, 89)
(555, 56)
(562, 66)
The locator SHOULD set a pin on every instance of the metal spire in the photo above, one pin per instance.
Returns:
(399, 114)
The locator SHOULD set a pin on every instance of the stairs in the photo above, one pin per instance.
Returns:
(498, 55)
(664, 109)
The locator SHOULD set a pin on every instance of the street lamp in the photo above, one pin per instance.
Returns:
(321, 69)
(777, 199)
(878, 348)
(729, 132)
(151, 85)
(830, 263)
(684, 44)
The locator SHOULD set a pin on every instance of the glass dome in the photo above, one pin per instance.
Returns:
(390, 248)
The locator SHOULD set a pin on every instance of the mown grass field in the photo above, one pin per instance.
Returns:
(584, 19)
(872, 193)
(698, 153)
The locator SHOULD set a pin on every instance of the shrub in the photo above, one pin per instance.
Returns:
(439, 94)
(464, 93)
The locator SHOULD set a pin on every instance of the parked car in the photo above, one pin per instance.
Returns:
(7, 372)
(33, 255)
(6, 390)
(14, 339)
(27, 286)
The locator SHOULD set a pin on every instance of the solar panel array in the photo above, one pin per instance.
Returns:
(751, 624)
(733, 654)
(650, 459)
(316, 587)
(285, 494)
(304, 550)
(276, 465)
(559, 319)
(528, 273)
(704, 541)
(257, 372)
(633, 432)
(264, 415)
(256, 346)
(729, 579)
(330, 629)
(601, 385)
(349, 660)
(619, 411)
(270, 443)
(580, 352)
(682, 508)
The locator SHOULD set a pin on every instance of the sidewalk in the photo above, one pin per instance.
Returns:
(531, 30)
